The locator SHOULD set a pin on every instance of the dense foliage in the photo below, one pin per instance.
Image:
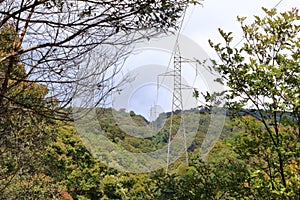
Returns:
(264, 75)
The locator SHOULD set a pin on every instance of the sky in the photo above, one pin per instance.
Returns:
(200, 24)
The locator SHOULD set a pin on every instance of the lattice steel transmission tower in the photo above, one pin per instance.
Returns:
(177, 108)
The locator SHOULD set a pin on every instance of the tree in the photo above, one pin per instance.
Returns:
(53, 39)
(263, 76)
(72, 167)
(23, 132)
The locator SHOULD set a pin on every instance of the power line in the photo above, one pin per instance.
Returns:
(278, 3)
(175, 45)
(241, 40)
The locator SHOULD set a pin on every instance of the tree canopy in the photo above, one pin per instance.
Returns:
(263, 75)
(53, 38)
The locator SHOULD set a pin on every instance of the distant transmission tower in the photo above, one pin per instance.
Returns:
(177, 107)
(153, 117)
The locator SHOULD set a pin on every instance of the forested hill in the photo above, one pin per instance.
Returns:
(69, 170)
(136, 133)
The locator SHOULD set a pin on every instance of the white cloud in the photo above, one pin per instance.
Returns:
(202, 23)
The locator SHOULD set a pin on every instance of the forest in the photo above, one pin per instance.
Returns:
(44, 154)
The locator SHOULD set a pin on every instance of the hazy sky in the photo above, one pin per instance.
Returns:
(201, 23)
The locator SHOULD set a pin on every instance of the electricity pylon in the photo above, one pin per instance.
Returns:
(177, 107)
